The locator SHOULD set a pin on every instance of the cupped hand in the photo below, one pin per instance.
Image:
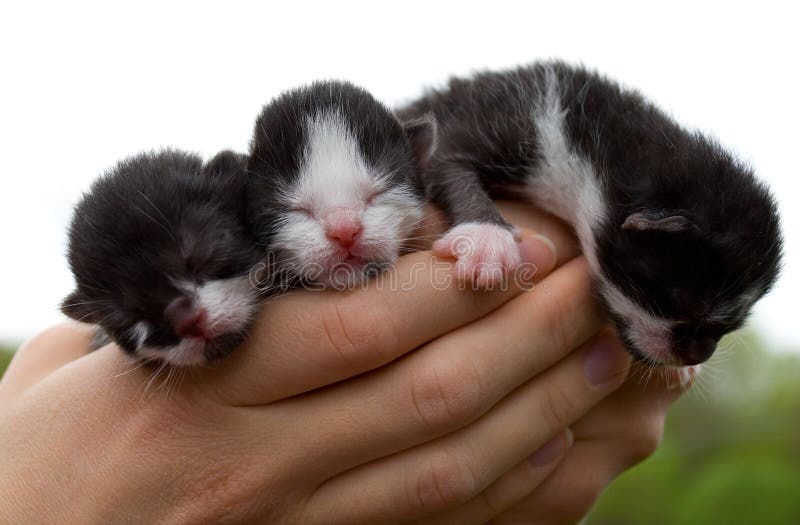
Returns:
(384, 405)
(616, 434)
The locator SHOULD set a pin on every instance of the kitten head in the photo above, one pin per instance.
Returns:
(334, 183)
(688, 255)
(161, 254)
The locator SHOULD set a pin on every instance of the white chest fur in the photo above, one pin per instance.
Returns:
(565, 184)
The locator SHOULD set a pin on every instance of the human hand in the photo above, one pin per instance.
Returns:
(618, 433)
(327, 414)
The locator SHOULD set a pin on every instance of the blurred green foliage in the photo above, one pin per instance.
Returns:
(5, 358)
(731, 451)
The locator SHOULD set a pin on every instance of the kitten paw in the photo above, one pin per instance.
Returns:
(486, 253)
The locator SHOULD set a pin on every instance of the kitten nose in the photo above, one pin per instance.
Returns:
(343, 226)
(696, 351)
(187, 319)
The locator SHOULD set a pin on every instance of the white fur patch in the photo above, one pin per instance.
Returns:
(334, 174)
(139, 333)
(189, 352)
(229, 304)
(650, 335)
(564, 183)
(333, 151)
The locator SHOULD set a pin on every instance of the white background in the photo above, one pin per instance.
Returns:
(82, 85)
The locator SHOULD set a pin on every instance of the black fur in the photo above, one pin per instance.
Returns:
(279, 141)
(152, 219)
(718, 238)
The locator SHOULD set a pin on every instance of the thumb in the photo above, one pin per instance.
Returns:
(45, 353)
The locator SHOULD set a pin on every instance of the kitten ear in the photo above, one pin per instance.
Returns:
(422, 133)
(225, 162)
(668, 221)
(81, 308)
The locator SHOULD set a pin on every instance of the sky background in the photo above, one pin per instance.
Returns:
(85, 84)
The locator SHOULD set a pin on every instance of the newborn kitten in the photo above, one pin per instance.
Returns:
(333, 182)
(160, 253)
(680, 236)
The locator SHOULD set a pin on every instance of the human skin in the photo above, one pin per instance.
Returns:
(428, 405)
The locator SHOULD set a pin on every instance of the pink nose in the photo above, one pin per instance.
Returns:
(343, 225)
(187, 318)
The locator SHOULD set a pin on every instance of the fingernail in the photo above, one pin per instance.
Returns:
(606, 361)
(552, 450)
(684, 377)
(538, 250)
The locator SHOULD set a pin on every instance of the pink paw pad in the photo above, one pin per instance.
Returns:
(486, 253)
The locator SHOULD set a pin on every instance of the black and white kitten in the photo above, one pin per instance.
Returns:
(333, 182)
(161, 253)
(680, 236)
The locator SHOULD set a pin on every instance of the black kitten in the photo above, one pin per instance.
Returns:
(333, 182)
(161, 254)
(680, 236)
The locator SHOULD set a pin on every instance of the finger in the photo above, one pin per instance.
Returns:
(567, 495)
(452, 470)
(455, 379)
(309, 339)
(511, 488)
(619, 432)
(45, 352)
(523, 215)
(645, 399)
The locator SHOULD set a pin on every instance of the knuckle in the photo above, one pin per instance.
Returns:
(213, 490)
(555, 321)
(588, 496)
(494, 501)
(353, 331)
(582, 502)
(447, 395)
(443, 483)
(644, 442)
(555, 407)
(158, 424)
(574, 500)
(232, 495)
(222, 494)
